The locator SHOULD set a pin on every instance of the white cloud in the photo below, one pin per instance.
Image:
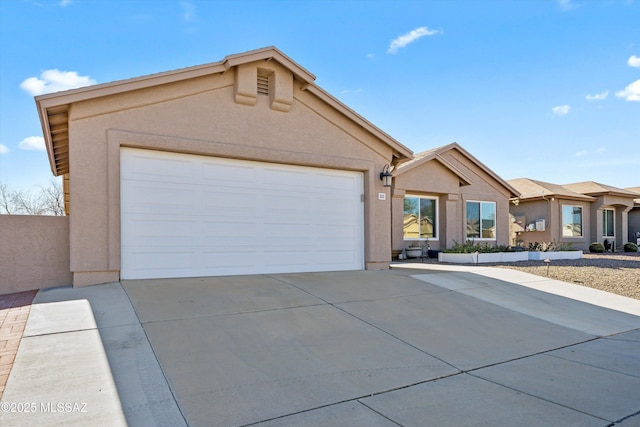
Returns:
(634, 61)
(631, 92)
(561, 110)
(567, 4)
(65, 3)
(4, 149)
(583, 153)
(188, 11)
(55, 81)
(347, 91)
(597, 96)
(32, 143)
(410, 37)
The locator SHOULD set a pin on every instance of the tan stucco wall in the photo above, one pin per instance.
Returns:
(34, 252)
(621, 206)
(432, 178)
(200, 116)
(551, 212)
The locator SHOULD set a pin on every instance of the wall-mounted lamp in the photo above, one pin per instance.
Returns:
(516, 202)
(385, 176)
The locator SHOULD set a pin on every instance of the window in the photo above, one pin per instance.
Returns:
(481, 220)
(608, 229)
(571, 221)
(420, 217)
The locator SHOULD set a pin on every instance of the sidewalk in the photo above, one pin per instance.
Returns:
(14, 312)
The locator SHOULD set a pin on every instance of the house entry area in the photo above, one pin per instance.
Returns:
(186, 215)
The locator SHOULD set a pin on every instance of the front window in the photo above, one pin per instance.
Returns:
(481, 220)
(608, 223)
(571, 221)
(420, 217)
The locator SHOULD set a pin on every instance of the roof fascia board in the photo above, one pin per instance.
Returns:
(482, 166)
(269, 53)
(113, 88)
(400, 150)
(434, 156)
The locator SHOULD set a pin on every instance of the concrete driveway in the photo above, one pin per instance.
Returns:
(365, 348)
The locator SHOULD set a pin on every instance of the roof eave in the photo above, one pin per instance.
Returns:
(400, 152)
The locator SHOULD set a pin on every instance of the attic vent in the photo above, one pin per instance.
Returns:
(263, 84)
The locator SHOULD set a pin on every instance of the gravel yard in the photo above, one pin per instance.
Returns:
(618, 273)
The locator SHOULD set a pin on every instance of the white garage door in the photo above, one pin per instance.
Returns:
(186, 216)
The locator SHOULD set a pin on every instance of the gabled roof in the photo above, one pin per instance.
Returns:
(438, 155)
(531, 190)
(53, 108)
(592, 188)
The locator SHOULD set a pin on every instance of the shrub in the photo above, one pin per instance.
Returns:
(469, 247)
(596, 248)
(550, 247)
(630, 247)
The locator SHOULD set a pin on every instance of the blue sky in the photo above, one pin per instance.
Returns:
(544, 89)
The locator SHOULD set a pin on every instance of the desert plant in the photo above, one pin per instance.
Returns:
(550, 247)
(630, 247)
(470, 247)
(596, 248)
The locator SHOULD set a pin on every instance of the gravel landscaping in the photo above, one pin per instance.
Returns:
(618, 272)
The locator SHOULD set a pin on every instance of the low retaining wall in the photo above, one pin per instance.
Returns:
(34, 252)
(479, 258)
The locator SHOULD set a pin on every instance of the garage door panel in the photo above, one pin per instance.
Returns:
(235, 217)
(153, 166)
(154, 197)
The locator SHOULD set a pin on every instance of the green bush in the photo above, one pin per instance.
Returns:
(596, 247)
(630, 247)
(470, 247)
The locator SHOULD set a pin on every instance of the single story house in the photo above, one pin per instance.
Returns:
(579, 213)
(634, 217)
(241, 166)
(446, 195)
(246, 166)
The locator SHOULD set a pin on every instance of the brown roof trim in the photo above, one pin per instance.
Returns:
(592, 188)
(55, 106)
(539, 190)
(440, 151)
(427, 156)
(400, 151)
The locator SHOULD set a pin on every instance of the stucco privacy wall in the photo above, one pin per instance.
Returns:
(202, 116)
(34, 252)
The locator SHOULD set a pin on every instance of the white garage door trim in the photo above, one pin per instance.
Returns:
(187, 216)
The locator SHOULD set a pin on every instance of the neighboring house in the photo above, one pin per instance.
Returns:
(609, 211)
(444, 196)
(579, 213)
(634, 217)
(241, 166)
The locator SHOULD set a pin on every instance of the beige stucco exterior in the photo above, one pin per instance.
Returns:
(34, 252)
(452, 176)
(541, 200)
(214, 111)
(550, 210)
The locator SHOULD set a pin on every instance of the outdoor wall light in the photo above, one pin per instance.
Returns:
(385, 176)
(516, 202)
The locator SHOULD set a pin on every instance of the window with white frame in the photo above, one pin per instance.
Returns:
(608, 223)
(481, 220)
(420, 217)
(571, 221)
